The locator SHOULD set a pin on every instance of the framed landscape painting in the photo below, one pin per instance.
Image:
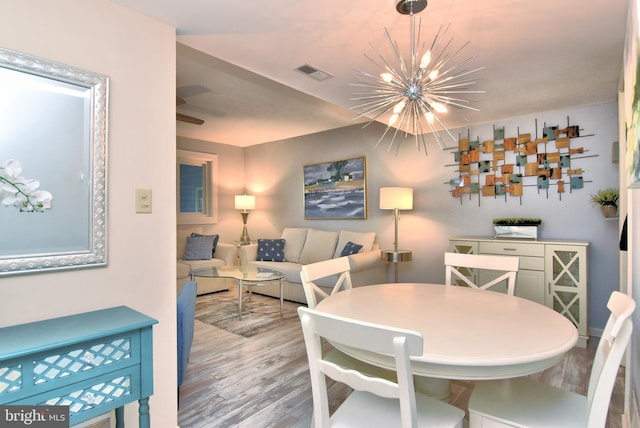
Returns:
(336, 190)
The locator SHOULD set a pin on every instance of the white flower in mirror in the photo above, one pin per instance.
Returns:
(21, 192)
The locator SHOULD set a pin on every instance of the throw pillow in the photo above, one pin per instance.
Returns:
(350, 248)
(365, 239)
(215, 242)
(199, 247)
(270, 250)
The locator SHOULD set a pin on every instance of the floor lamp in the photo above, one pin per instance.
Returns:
(396, 198)
(245, 203)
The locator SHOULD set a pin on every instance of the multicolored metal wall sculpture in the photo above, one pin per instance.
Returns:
(504, 166)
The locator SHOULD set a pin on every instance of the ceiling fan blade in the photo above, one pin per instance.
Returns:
(180, 101)
(189, 119)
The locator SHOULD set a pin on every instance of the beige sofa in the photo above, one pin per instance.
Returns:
(225, 255)
(304, 246)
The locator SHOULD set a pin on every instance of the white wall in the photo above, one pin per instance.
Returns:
(274, 174)
(138, 54)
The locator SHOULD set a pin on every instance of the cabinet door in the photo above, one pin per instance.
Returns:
(530, 286)
(566, 276)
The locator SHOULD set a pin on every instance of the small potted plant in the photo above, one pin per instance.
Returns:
(516, 227)
(608, 200)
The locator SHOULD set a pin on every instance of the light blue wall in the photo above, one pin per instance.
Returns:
(274, 173)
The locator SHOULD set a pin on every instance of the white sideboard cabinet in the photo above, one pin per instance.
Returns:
(552, 273)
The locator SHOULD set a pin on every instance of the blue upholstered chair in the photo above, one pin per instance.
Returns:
(186, 316)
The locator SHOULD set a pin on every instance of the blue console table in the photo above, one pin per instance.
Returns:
(92, 362)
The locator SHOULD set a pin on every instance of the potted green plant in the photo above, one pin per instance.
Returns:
(608, 200)
(516, 227)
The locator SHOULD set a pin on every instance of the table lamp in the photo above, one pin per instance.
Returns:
(245, 203)
(396, 198)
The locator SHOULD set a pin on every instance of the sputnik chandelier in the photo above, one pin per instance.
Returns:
(418, 90)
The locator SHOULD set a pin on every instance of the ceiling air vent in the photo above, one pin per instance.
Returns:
(314, 72)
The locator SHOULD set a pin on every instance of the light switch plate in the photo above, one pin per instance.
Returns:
(143, 200)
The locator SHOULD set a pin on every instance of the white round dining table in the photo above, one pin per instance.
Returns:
(467, 333)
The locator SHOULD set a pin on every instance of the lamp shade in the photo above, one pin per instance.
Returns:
(396, 198)
(245, 202)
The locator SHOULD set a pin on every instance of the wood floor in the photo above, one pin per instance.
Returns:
(263, 381)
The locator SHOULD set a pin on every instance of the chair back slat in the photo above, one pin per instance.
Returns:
(326, 268)
(359, 381)
(362, 335)
(507, 264)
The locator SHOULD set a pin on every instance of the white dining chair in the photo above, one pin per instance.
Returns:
(338, 267)
(374, 402)
(523, 402)
(455, 263)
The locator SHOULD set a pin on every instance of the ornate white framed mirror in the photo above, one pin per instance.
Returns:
(53, 122)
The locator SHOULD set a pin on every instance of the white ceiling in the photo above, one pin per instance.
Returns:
(237, 60)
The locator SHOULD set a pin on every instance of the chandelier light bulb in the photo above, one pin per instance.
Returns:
(439, 107)
(430, 117)
(393, 119)
(387, 77)
(434, 74)
(399, 107)
(426, 59)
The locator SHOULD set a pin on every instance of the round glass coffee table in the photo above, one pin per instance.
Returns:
(248, 276)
